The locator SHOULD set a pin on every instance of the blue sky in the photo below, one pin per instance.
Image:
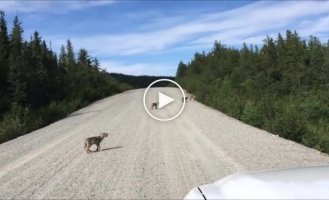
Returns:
(151, 37)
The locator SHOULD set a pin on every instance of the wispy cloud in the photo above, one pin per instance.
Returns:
(250, 23)
(245, 24)
(315, 27)
(44, 6)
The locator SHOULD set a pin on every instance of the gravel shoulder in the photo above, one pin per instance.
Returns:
(141, 158)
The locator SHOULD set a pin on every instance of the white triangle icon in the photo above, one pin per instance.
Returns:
(164, 100)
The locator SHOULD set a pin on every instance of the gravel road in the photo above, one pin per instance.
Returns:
(141, 158)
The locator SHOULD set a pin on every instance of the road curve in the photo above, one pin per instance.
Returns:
(141, 158)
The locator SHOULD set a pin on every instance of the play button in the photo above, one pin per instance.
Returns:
(164, 103)
(164, 100)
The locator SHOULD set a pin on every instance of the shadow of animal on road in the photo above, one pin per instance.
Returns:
(117, 147)
(106, 149)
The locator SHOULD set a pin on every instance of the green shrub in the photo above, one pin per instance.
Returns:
(288, 125)
(252, 114)
(324, 146)
(54, 111)
(311, 139)
(14, 123)
(320, 133)
(58, 110)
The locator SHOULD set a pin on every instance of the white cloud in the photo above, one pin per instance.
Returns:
(316, 27)
(45, 6)
(232, 27)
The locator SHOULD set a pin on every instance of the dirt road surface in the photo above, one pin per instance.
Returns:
(141, 158)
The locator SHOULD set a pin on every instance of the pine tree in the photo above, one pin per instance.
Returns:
(70, 54)
(16, 40)
(16, 71)
(324, 77)
(295, 56)
(269, 63)
(281, 48)
(316, 60)
(62, 61)
(181, 70)
(37, 69)
(4, 54)
(36, 45)
(83, 58)
(95, 63)
(4, 39)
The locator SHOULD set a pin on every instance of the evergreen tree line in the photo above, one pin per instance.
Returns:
(38, 87)
(141, 81)
(282, 87)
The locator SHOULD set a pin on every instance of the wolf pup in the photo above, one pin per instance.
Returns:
(154, 106)
(186, 98)
(94, 140)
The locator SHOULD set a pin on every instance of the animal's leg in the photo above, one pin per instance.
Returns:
(88, 149)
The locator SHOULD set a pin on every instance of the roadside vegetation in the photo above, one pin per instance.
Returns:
(38, 87)
(282, 86)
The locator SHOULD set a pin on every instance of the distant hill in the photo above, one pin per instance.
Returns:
(140, 81)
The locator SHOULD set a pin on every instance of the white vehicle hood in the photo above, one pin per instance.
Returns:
(300, 183)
